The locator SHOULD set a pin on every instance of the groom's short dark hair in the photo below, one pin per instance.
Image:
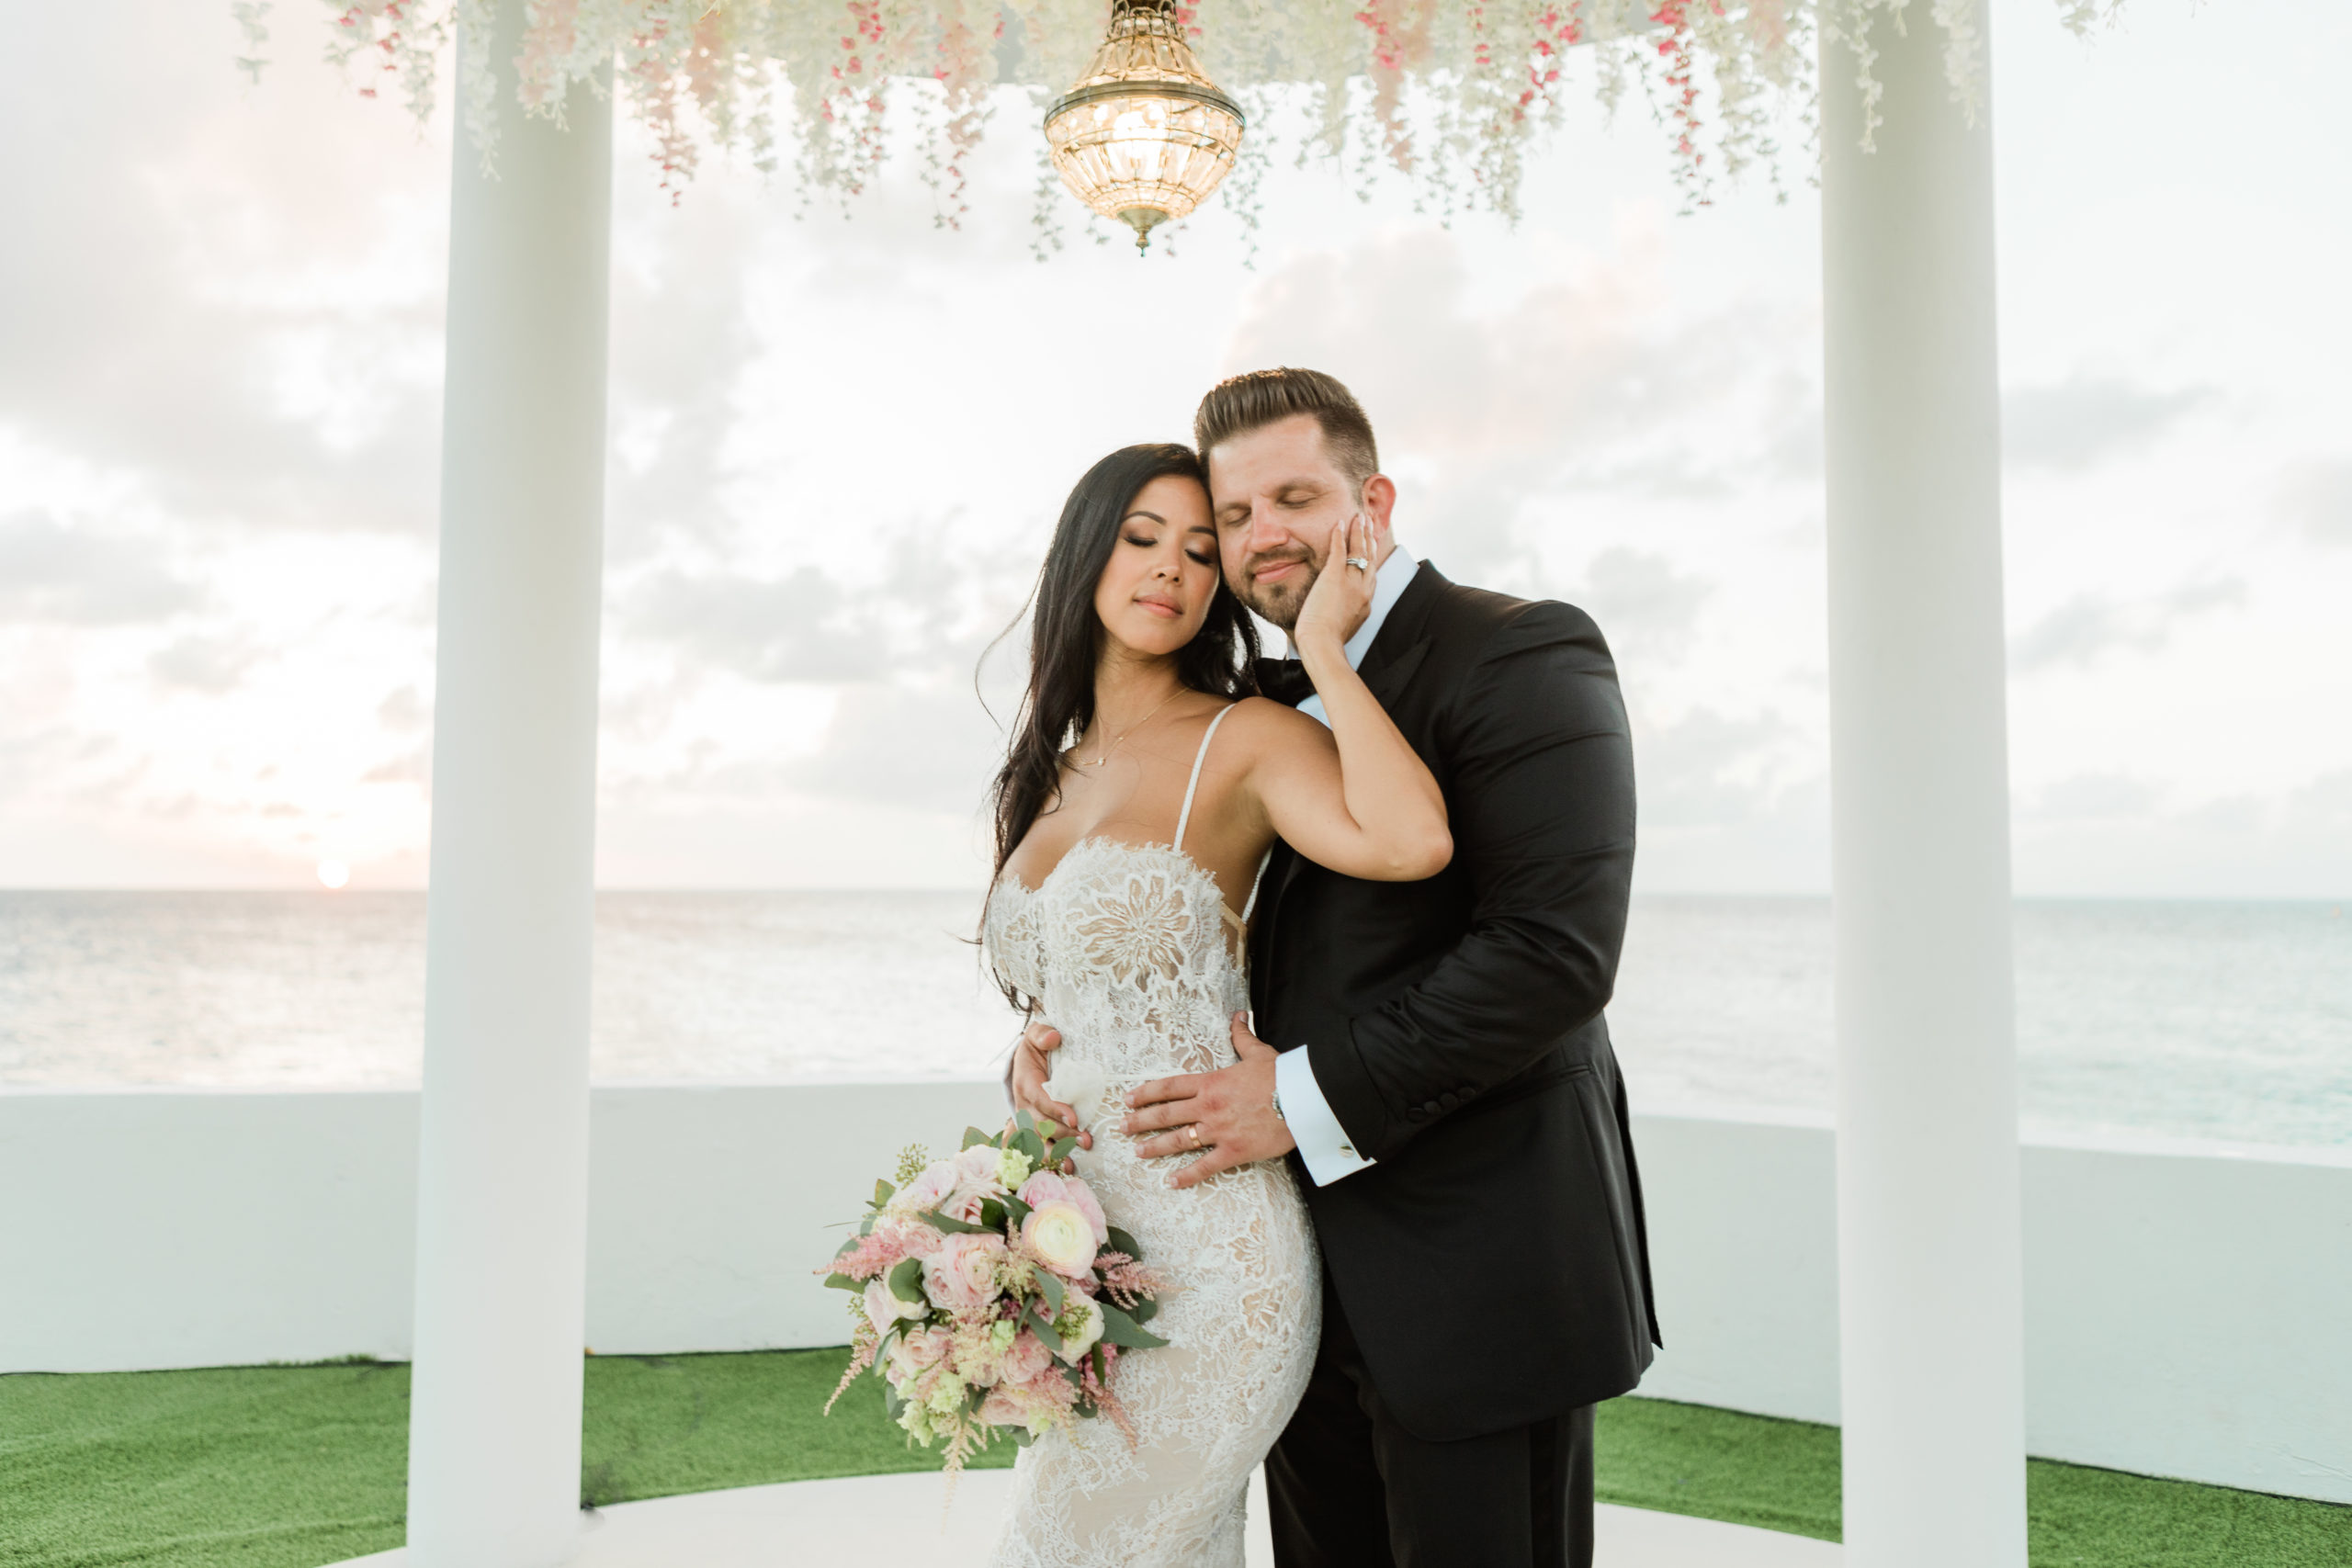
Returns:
(1256, 399)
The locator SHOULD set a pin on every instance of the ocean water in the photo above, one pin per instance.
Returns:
(2201, 1020)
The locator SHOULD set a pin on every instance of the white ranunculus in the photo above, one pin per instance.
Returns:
(1059, 1235)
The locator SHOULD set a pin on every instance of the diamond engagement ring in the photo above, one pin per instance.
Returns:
(1359, 562)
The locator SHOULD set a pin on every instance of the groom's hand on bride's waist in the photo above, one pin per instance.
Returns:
(1229, 1113)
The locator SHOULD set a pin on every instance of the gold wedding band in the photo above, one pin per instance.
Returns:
(1195, 1131)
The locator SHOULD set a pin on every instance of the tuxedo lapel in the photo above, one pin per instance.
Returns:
(1388, 680)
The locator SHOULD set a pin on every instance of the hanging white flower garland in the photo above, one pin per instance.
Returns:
(1447, 92)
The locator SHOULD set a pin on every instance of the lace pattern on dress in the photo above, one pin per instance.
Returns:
(1124, 945)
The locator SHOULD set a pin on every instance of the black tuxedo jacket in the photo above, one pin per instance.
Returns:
(1492, 1262)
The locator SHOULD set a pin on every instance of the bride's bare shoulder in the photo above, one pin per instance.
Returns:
(1266, 728)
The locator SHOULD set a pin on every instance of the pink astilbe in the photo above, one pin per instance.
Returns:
(1125, 1282)
(890, 1244)
(1097, 1389)
(863, 1344)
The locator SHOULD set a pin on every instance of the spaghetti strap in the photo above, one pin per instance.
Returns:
(1184, 816)
(1257, 881)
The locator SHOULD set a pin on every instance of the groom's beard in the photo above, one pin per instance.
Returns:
(1277, 602)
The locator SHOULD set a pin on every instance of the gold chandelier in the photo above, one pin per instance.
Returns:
(1143, 136)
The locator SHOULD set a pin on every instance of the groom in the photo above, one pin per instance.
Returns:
(1445, 1082)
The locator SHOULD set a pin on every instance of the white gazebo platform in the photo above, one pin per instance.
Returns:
(877, 1518)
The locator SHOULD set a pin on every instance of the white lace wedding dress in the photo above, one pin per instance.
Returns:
(1126, 946)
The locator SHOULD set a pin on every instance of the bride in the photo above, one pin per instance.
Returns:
(1120, 860)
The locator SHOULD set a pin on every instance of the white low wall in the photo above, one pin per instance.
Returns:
(192, 1229)
(2187, 1307)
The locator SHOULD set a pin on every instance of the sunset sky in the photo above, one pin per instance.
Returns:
(838, 447)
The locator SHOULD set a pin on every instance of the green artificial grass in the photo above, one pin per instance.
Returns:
(275, 1467)
(1783, 1475)
(293, 1467)
(1717, 1464)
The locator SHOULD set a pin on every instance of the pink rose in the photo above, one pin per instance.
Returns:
(1041, 1402)
(926, 1191)
(961, 1276)
(976, 1182)
(918, 1350)
(1046, 1187)
(1027, 1357)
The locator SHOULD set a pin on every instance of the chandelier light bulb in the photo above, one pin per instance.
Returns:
(1143, 136)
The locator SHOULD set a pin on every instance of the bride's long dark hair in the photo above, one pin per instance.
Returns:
(1066, 640)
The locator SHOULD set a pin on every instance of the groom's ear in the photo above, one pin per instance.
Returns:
(1379, 501)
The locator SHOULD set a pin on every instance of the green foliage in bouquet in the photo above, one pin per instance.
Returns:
(993, 1295)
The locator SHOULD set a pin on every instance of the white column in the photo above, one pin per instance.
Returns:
(501, 1202)
(1927, 1223)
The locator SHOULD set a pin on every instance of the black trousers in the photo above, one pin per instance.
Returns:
(1350, 1488)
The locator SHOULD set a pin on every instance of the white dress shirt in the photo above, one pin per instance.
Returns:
(1323, 1143)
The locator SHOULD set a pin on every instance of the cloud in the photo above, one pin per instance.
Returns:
(403, 712)
(2073, 423)
(207, 664)
(51, 572)
(795, 628)
(2090, 797)
(931, 609)
(413, 767)
(931, 747)
(1641, 602)
(244, 358)
(2109, 838)
(2319, 496)
(1588, 382)
(2088, 626)
(1708, 770)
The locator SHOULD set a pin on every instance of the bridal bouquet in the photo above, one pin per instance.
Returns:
(993, 1297)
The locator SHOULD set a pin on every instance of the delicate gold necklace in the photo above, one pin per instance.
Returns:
(1103, 755)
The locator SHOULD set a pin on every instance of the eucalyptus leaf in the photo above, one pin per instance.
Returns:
(1121, 1242)
(973, 1136)
(1124, 1332)
(843, 1282)
(1018, 1210)
(905, 1283)
(1049, 1285)
(1145, 1309)
(1041, 1328)
(882, 1190)
(951, 1226)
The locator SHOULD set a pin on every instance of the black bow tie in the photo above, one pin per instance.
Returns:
(1285, 680)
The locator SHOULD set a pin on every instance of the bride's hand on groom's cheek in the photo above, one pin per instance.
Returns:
(1229, 1113)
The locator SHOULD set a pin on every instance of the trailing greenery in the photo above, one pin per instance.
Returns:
(293, 1467)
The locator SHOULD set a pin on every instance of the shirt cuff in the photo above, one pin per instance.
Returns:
(1329, 1154)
